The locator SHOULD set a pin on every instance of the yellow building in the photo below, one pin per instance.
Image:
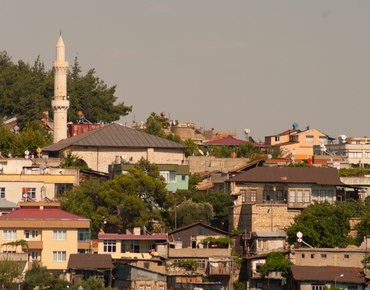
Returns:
(51, 233)
(298, 143)
(132, 245)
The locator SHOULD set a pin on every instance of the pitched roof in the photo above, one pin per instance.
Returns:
(115, 135)
(132, 237)
(41, 214)
(249, 165)
(328, 274)
(7, 204)
(196, 224)
(90, 261)
(315, 175)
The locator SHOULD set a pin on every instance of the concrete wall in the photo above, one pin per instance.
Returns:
(334, 257)
(99, 158)
(211, 163)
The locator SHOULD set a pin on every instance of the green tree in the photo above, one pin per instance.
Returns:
(189, 212)
(194, 180)
(275, 261)
(323, 225)
(91, 284)
(155, 125)
(10, 270)
(6, 141)
(71, 160)
(362, 228)
(37, 276)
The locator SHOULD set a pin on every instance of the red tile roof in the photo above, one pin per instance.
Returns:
(41, 214)
(132, 237)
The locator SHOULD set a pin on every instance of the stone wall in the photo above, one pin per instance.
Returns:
(258, 217)
(211, 163)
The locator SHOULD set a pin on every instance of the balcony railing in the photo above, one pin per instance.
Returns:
(219, 270)
(84, 235)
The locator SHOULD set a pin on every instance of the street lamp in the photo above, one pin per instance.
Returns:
(335, 280)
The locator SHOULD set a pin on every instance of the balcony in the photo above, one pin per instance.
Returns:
(219, 270)
(34, 245)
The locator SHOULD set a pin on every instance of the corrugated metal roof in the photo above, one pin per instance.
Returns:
(269, 234)
(90, 261)
(114, 135)
(132, 237)
(321, 176)
(7, 204)
(328, 274)
(41, 214)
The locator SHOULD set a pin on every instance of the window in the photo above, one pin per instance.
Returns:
(354, 154)
(352, 288)
(10, 235)
(265, 195)
(201, 264)
(346, 256)
(271, 194)
(2, 192)
(330, 196)
(315, 195)
(309, 139)
(299, 195)
(161, 287)
(31, 191)
(141, 287)
(322, 195)
(59, 235)
(302, 255)
(367, 155)
(323, 139)
(183, 177)
(35, 234)
(26, 234)
(261, 244)
(280, 195)
(59, 256)
(306, 196)
(146, 265)
(169, 176)
(148, 287)
(130, 245)
(292, 195)
(277, 138)
(253, 195)
(34, 255)
(312, 256)
(323, 255)
(242, 192)
(61, 188)
(317, 287)
(109, 246)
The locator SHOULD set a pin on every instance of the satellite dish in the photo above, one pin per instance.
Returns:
(299, 235)
(269, 156)
(292, 158)
(174, 123)
(123, 156)
(293, 162)
(1, 167)
(295, 126)
(247, 131)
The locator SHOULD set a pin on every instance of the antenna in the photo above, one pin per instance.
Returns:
(246, 133)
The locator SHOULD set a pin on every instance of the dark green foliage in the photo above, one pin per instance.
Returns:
(239, 286)
(189, 265)
(70, 160)
(222, 241)
(363, 228)
(301, 164)
(155, 125)
(31, 137)
(325, 225)
(352, 172)
(40, 276)
(91, 284)
(189, 212)
(131, 199)
(194, 180)
(26, 92)
(275, 261)
(10, 270)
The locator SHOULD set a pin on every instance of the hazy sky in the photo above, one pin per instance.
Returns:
(227, 65)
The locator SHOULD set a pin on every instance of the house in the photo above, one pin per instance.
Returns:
(24, 179)
(130, 277)
(7, 206)
(298, 143)
(316, 277)
(357, 150)
(130, 245)
(233, 142)
(213, 258)
(51, 233)
(81, 267)
(268, 198)
(175, 176)
(99, 147)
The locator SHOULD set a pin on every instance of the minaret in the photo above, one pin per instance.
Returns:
(60, 104)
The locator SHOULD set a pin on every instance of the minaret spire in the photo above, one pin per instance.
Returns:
(60, 104)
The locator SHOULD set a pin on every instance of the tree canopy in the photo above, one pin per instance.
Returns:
(26, 92)
(9, 270)
(132, 199)
(275, 261)
(326, 225)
